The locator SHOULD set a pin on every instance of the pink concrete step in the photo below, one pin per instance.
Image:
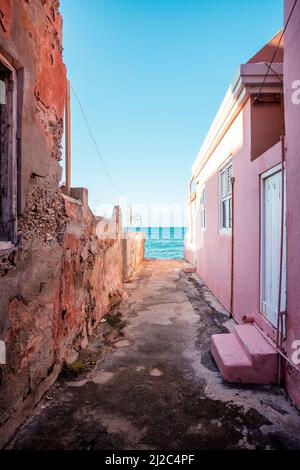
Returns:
(256, 347)
(230, 357)
(245, 356)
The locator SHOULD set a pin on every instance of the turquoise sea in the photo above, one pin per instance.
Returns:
(163, 242)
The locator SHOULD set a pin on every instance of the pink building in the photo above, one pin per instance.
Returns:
(243, 221)
(292, 123)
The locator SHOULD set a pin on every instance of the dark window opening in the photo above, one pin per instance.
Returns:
(7, 156)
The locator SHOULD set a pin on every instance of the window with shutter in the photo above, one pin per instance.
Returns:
(229, 174)
(226, 197)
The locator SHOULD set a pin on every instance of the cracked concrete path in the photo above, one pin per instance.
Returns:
(149, 382)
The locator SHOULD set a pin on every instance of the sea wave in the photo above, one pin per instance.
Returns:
(163, 242)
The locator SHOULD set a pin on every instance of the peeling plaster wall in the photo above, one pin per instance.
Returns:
(66, 270)
(30, 39)
(91, 280)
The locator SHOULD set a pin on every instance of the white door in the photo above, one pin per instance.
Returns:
(270, 247)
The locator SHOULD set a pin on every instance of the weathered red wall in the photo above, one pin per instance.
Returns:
(6, 17)
(30, 38)
(60, 278)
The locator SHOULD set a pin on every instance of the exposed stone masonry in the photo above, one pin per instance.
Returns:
(66, 270)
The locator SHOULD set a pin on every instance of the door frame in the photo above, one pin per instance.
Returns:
(272, 171)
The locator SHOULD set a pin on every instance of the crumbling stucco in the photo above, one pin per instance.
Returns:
(66, 270)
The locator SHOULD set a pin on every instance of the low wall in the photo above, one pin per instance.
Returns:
(189, 253)
(133, 253)
(55, 288)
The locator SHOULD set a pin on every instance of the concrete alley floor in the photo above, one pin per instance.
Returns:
(147, 381)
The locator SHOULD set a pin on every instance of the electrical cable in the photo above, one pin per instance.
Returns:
(276, 50)
(95, 142)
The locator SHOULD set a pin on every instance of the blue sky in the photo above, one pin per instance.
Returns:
(151, 76)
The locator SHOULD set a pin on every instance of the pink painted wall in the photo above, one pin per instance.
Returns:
(246, 299)
(212, 247)
(291, 74)
(212, 250)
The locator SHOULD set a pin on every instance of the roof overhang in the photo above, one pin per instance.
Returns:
(248, 81)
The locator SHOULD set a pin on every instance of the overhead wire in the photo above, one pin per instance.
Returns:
(95, 142)
(269, 65)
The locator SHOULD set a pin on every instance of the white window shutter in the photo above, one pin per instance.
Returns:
(223, 184)
(226, 196)
(229, 176)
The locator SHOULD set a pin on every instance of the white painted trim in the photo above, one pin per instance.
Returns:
(270, 172)
(203, 188)
(226, 163)
(225, 231)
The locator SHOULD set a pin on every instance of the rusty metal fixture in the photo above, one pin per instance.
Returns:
(248, 319)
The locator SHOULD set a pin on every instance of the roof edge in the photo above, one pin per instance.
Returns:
(247, 82)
